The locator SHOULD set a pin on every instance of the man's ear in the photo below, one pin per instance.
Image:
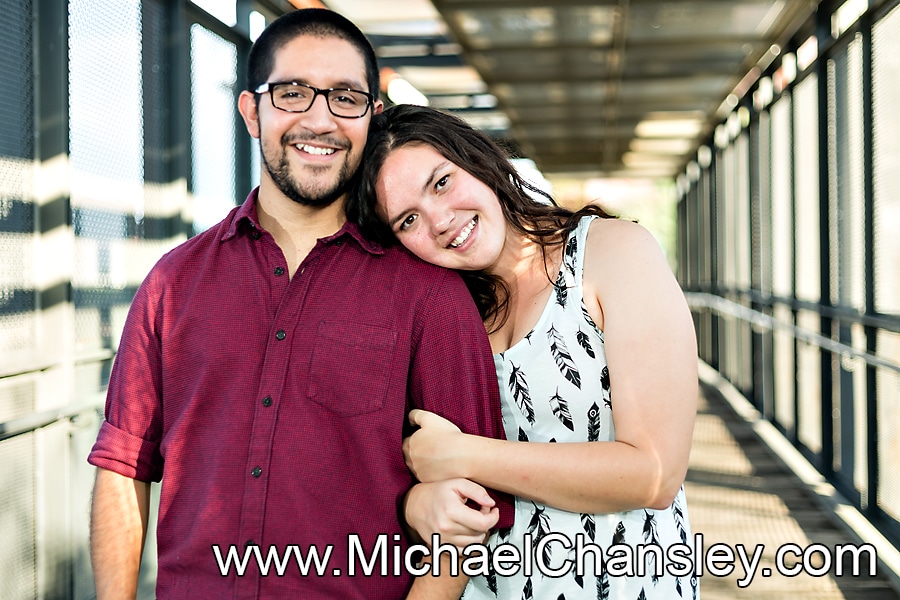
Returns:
(248, 109)
(377, 107)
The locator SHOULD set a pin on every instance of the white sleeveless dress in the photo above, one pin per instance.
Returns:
(554, 387)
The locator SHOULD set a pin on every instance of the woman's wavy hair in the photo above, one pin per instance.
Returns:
(542, 221)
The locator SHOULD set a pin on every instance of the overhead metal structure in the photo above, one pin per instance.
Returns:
(599, 87)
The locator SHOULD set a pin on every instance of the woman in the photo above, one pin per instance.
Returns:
(595, 355)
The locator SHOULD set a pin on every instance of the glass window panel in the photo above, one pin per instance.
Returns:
(213, 81)
(806, 188)
(886, 124)
(782, 218)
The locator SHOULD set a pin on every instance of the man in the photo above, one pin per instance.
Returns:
(268, 364)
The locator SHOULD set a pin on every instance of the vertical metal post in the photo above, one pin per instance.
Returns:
(870, 497)
(243, 141)
(823, 38)
(178, 52)
(54, 528)
(713, 244)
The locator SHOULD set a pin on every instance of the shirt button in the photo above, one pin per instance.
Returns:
(279, 271)
(256, 472)
(267, 401)
(339, 243)
(280, 335)
(256, 235)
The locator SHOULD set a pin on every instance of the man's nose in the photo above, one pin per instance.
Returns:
(318, 116)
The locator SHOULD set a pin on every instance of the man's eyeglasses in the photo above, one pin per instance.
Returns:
(291, 96)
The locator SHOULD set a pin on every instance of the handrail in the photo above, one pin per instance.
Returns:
(725, 306)
(37, 420)
(97, 356)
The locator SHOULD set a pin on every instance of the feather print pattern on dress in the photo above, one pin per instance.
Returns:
(562, 357)
(555, 387)
(519, 388)
(561, 409)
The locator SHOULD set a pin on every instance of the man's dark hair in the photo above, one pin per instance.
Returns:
(319, 22)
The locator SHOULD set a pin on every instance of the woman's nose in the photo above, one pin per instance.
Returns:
(441, 219)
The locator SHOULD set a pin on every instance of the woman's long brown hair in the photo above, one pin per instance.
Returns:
(542, 221)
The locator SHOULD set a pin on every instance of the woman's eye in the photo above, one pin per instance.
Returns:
(441, 182)
(407, 222)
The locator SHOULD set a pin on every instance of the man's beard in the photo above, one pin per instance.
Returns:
(315, 195)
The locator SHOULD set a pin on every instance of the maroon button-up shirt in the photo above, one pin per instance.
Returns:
(274, 408)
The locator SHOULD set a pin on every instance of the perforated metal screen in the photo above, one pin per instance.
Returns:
(17, 211)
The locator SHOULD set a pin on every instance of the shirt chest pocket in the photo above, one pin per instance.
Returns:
(350, 368)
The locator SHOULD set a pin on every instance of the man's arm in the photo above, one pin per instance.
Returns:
(453, 373)
(442, 587)
(119, 512)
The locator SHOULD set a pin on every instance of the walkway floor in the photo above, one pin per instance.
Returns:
(738, 493)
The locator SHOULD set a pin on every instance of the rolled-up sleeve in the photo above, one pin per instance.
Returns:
(453, 371)
(130, 436)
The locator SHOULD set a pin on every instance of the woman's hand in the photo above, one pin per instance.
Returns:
(440, 508)
(433, 453)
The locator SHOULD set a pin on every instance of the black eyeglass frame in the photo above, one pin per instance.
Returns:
(267, 88)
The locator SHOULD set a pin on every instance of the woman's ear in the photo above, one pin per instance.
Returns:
(247, 106)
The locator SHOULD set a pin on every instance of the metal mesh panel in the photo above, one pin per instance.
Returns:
(888, 385)
(765, 204)
(744, 355)
(846, 192)
(16, 398)
(782, 218)
(806, 189)
(783, 353)
(18, 553)
(213, 80)
(857, 368)
(809, 386)
(886, 157)
(17, 294)
(742, 210)
(106, 144)
(16, 80)
(706, 231)
(725, 206)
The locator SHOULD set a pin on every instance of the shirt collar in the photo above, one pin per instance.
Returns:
(246, 216)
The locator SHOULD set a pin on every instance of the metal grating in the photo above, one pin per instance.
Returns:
(16, 397)
(574, 79)
(886, 157)
(17, 223)
(213, 81)
(809, 386)
(782, 199)
(18, 553)
(16, 80)
(765, 204)
(106, 142)
(806, 190)
(845, 174)
(888, 385)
